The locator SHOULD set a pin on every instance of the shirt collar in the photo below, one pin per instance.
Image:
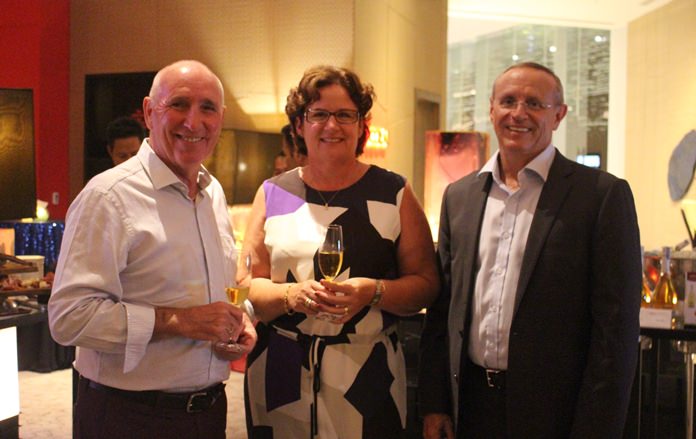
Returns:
(159, 172)
(540, 165)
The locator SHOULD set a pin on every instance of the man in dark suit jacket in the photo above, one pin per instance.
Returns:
(535, 332)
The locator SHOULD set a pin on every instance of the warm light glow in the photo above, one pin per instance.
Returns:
(379, 138)
(9, 380)
(41, 213)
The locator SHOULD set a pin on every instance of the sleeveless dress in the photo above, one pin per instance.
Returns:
(307, 377)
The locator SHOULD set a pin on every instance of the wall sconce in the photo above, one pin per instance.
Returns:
(379, 138)
(377, 143)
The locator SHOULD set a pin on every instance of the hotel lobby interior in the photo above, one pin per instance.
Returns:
(432, 63)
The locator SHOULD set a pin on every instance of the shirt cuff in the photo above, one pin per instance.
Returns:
(140, 324)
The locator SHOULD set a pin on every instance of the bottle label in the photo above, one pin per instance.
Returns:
(656, 318)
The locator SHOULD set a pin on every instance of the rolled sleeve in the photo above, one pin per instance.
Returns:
(141, 323)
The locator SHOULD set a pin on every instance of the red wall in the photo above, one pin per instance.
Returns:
(35, 53)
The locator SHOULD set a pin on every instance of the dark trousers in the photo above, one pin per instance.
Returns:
(101, 415)
(482, 407)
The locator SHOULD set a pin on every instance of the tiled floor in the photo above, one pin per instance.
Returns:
(45, 405)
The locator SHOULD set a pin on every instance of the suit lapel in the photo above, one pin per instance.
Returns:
(552, 196)
(475, 201)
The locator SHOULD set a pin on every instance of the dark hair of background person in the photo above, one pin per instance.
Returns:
(280, 163)
(307, 92)
(286, 132)
(123, 127)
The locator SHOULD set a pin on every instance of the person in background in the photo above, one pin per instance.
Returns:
(295, 152)
(329, 363)
(141, 277)
(123, 138)
(280, 163)
(534, 334)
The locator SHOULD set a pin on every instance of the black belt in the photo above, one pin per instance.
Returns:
(193, 402)
(495, 379)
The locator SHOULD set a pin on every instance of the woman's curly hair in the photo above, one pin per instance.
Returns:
(307, 91)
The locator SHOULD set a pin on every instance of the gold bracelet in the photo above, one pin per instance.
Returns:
(286, 304)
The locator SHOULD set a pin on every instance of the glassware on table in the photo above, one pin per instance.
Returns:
(331, 252)
(646, 292)
(665, 295)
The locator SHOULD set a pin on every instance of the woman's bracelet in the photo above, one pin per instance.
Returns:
(286, 304)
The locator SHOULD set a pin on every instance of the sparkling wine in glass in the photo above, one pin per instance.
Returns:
(331, 252)
(238, 294)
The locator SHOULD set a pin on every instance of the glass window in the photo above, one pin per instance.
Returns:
(579, 56)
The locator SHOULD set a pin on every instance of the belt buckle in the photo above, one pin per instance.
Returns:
(192, 406)
(491, 378)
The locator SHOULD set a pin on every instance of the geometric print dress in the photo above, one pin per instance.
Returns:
(306, 377)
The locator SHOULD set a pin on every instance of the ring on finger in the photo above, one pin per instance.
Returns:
(309, 303)
(345, 310)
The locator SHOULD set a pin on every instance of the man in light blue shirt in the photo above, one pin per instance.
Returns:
(140, 283)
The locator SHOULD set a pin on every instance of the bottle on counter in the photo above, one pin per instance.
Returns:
(665, 295)
(646, 292)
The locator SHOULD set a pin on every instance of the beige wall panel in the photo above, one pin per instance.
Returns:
(372, 40)
(258, 48)
(661, 109)
(431, 54)
(400, 92)
(407, 9)
(371, 48)
(393, 52)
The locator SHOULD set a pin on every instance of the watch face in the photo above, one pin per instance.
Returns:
(379, 289)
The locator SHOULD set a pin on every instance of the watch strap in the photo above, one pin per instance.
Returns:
(379, 290)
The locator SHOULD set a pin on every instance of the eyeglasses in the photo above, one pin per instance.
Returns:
(529, 104)
(344, 117)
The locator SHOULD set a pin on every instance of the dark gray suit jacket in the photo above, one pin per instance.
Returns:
(574, 333)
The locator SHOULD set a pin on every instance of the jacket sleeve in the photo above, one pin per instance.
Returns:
(614, 306)
(434, 374)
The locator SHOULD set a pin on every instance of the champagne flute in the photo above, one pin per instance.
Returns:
(331, 252)
(330, 260)
(236, 296)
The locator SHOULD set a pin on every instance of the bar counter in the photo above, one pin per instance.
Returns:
(663, 397)
(9, 380)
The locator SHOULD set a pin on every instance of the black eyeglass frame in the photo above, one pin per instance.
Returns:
(355, 116)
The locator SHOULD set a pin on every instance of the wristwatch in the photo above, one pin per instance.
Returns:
(379, 290)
